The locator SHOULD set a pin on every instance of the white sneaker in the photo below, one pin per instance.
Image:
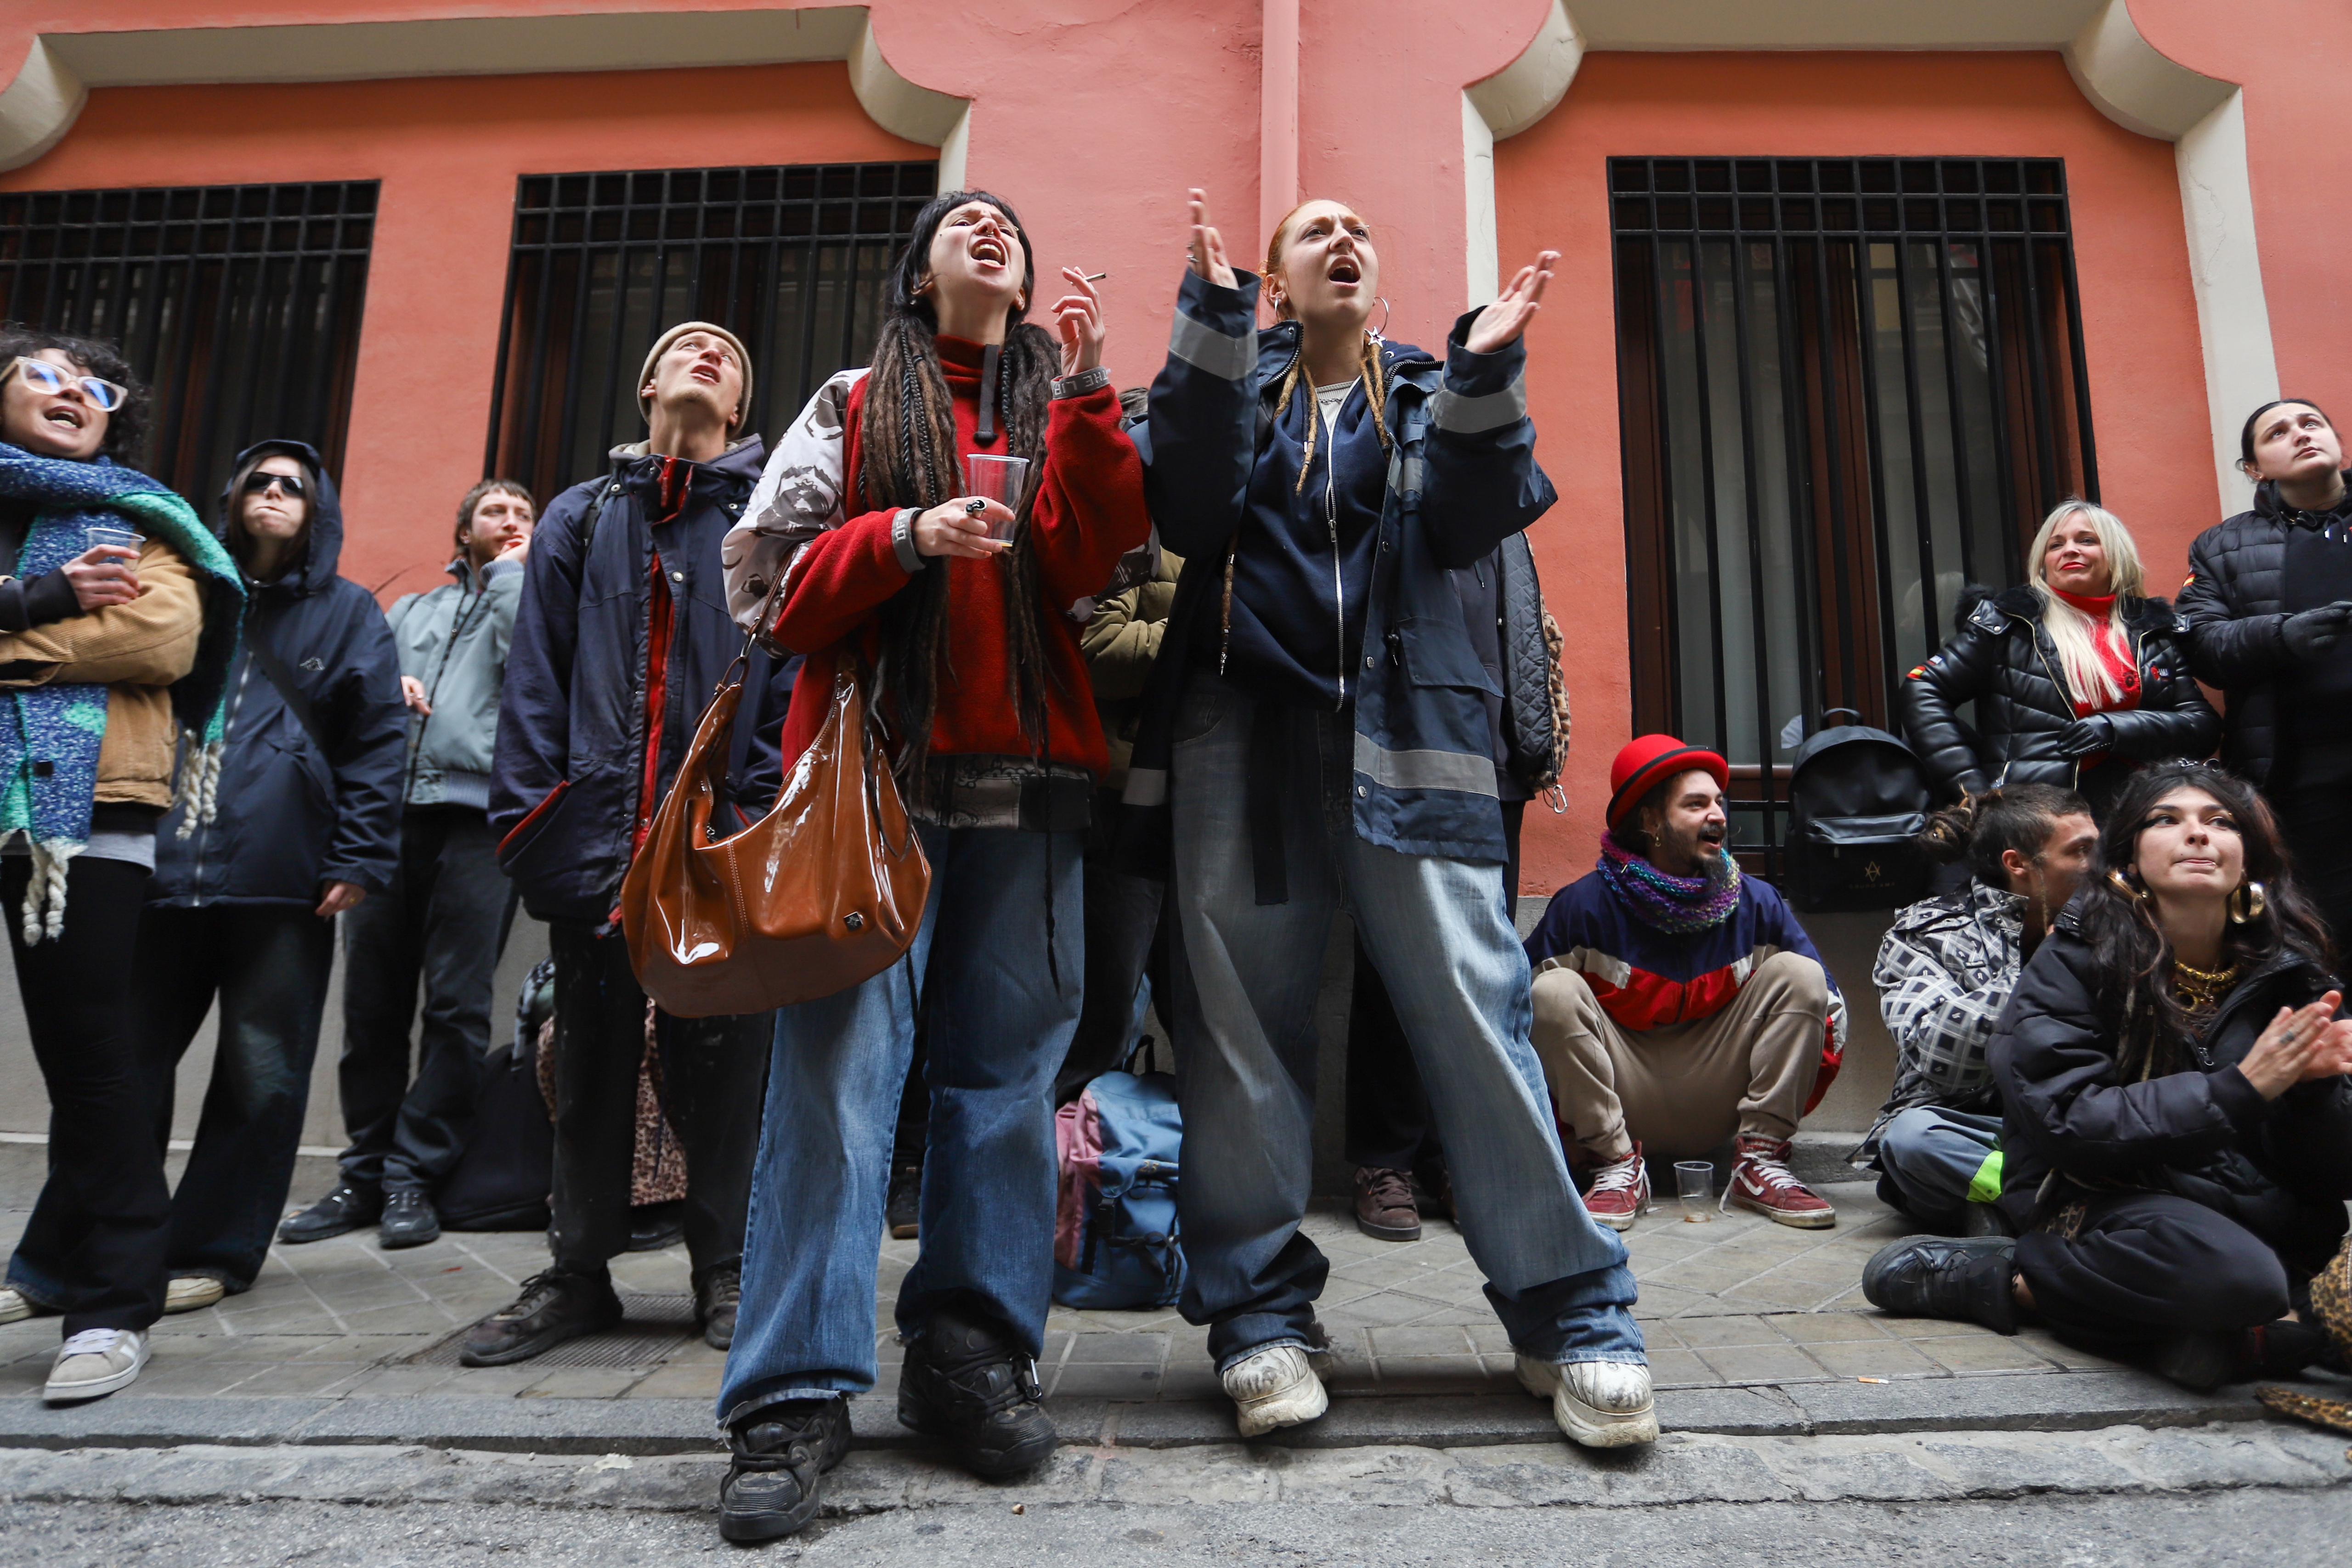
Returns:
(95, 1362)
(1273, 1387)
(16, 1306)
(1599, 1403)
(193, 1292)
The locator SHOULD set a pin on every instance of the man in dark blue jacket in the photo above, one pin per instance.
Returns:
(622, 636)
(302, 822)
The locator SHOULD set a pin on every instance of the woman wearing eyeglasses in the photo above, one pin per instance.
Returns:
(241, 906)
(111, 644)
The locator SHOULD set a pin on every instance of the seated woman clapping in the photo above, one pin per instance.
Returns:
(2178, 1119)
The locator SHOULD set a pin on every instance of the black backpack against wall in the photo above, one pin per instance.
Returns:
(1857, 803)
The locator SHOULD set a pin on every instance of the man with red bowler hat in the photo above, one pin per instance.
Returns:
(1677, 1002)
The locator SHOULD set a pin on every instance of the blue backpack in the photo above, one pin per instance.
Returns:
(1115, 1242)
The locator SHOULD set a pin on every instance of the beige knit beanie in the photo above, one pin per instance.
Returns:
(661, 347)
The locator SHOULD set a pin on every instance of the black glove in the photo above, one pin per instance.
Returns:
(2312, 632)
(2087, 737)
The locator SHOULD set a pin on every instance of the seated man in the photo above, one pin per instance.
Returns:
(1944, 973)
(1677, 1002)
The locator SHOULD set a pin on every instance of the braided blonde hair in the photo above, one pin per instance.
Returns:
(1375, 381)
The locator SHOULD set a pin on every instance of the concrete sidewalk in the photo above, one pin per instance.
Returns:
(1754, 1329)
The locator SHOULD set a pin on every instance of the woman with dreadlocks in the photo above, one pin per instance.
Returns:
(1317, 735)
(863, 536)
(2177, 1126)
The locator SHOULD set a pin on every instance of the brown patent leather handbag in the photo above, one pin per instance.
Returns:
(822, 893)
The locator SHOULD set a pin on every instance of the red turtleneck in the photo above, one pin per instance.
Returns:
(1089, 512)
(2114, 651)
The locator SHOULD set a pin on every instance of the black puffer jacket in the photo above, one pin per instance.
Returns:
(2000, 656)
(2282, 1169)
(2236, 604)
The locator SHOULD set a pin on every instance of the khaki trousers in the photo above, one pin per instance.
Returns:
(1683, 1089)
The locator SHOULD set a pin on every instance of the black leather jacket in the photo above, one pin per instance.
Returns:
(2000, 657)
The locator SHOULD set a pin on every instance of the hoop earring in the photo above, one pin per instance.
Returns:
(1376, 333)
(921, 288)
(2249, 905)
(2123, 884)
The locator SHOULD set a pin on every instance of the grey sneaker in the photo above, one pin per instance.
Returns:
(95, 1362)
(1599, 1403)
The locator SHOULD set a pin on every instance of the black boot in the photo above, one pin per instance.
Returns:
(657, 1226)
(408, 1219)
(717, 1294)
(905, 1206)
(345, 1209)
(778, 1473)
(2201, 1363)
(1965, 1279)
(555, 1305)
(965, 1384)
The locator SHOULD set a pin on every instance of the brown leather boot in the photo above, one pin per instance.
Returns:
(1384, 1206)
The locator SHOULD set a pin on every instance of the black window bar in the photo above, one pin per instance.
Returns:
(1848, 388)
(790, 260)
(238, 305)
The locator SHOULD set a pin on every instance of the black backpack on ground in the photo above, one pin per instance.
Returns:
(1857, 803)
(501, 1181)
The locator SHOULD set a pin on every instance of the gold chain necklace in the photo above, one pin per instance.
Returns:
(2200, 990)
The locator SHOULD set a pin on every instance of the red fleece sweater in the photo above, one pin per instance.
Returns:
(1089, 511)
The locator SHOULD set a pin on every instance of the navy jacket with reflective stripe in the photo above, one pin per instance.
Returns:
(1462, 478)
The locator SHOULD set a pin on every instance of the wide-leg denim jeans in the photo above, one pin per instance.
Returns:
(998, 1018)
(1438, 930)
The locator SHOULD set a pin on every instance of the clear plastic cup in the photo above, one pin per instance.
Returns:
(1694, 1183)
(1001, 479)
(101, 534)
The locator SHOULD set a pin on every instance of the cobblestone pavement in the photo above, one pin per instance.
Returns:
(1736, 1303)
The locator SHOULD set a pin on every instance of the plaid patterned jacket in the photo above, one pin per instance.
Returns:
(1943, 974)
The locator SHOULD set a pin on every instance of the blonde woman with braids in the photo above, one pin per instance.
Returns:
(864, 536)
(1317, 736)
(2077, 677)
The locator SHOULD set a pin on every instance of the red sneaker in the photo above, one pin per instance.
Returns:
(1760, 1182)
(1620, 1191)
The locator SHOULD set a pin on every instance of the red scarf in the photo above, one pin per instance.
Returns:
(2114, 649)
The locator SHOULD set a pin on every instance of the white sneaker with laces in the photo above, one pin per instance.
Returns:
(193, 1292)
(1599, 1403)
(15, 1305)
(1273, 1387)
(95, 1362)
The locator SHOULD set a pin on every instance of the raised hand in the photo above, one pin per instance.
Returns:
(1079, 318)
(1208, 246)
(1500, 324)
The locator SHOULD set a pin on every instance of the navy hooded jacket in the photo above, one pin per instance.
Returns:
(583, 755)
(297, 809)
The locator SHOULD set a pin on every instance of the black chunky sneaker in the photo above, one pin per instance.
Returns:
(717, 1294)
(654, 1225)
(408, 1219)
(777, 1474)
(555, 1305)
(965, 1384)
(1965, 1279)
(345, 1209)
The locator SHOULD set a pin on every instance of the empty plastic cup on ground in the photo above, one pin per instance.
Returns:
(101, 534)
(998, 479)
(1695, 1180)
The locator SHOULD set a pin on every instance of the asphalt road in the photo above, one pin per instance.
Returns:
(2254, 1526)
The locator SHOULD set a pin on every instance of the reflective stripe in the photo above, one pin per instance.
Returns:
(1423, 769)
(1469, 415)
(1204, 348)
(1145, 787)
(1985, 1186)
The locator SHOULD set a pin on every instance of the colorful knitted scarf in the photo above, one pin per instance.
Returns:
(49, 754)
(1675, 904)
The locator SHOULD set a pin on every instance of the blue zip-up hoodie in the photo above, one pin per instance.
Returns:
(1461, 478)
(296, 812)
(574, 718)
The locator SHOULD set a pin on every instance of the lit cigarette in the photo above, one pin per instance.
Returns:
(1096, 276)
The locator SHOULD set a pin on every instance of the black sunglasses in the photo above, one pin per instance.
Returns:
(290, 483)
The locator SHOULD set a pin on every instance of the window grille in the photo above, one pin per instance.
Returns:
(1848, 387)
(238, 305)
(790, 260)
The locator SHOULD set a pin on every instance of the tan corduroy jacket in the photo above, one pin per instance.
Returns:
(136, 651)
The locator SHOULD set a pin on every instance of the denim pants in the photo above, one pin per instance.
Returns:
(1438, 932)
(1931, 1156)
(997, 1022)
(443, 922)
(268, 965)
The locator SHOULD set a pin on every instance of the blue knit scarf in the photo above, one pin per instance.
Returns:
(49, 754)
(1675, 904)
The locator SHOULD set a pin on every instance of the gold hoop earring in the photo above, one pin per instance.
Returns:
(2123, 884)
(2250, 903)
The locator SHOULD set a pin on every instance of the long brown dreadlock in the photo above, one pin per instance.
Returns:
(909, 459)
(1375, 392)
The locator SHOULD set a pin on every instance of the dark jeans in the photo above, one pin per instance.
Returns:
(268, 965)
(444, 921)
(2146, 1266)
(714, 1077)
(1123, 931)
(94, 1246)
(1389, 1124)
(2316, 822)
